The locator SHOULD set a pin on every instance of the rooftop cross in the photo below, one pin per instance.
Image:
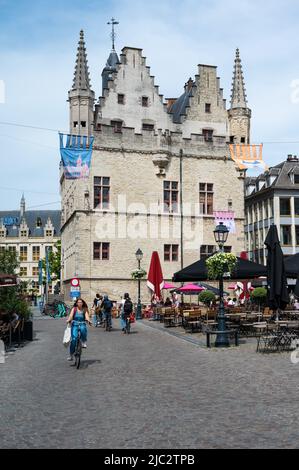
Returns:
(113, 22)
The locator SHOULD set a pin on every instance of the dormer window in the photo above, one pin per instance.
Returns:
(117, 126)
(121, 98)
(23, 233)
(49, 233)
(208, 135)
(148, 127)
(39, 222)
(145, 101)
(2, 233)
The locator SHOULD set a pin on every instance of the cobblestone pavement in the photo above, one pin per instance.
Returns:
(146, 390)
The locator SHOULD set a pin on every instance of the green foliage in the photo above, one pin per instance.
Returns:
(54, 261)
(8, 262)
(138, 274)
(11, 298)
(206, 297)
(220, 263)
(259, 294)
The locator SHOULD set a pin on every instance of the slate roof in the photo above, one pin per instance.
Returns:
(178, 109)
(31, 218)
(282, 173)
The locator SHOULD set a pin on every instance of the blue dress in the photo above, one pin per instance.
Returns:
(79, 322)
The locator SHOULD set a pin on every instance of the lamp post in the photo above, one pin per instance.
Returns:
(221, 233)
(139, 256)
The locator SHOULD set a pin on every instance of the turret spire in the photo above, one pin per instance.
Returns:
(238, 97)
(81, 78)
(22, 206)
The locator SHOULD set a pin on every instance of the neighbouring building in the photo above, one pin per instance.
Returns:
(28, 233)
(273, 198)
(160, 168)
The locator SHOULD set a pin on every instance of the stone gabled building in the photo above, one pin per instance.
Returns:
(29, 233)
(273, 198)
(160, 168)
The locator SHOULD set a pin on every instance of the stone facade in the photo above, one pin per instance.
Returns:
(143, 146)
(29, 233)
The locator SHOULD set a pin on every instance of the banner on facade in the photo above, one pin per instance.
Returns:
(228, 219)
(248, 156)
(76, 155)
(40, 272)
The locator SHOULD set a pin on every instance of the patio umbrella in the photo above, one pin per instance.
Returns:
(198, 271)
(190, 289)
(213, 289)
(155, 277)
(168, 286)
(296, 290)
(232, 286)
(277, 279)
(292, 265)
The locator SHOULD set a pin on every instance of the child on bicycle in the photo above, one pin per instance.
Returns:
(78, 317)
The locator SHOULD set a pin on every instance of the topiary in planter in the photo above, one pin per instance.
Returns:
(206, 297)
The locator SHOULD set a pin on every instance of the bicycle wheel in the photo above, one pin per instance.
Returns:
(78, 352)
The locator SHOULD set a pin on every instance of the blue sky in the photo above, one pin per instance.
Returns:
(38, 43)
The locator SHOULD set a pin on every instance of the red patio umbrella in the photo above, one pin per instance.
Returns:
(155, 277)
(168, 286)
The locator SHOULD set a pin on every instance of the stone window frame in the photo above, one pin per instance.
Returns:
(101, 251)
(206, 198)
(100, 187)
(35, 271)
(23, 271)
(171, 253)
(208, 108)
(23, 254)
(171, 196)
(121, 98)
(36, 253)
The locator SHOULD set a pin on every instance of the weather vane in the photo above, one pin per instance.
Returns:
(113, 22)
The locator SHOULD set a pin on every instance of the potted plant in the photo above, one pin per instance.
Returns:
(259, 295)
(138, 273)
(221, 265)
(206, 297)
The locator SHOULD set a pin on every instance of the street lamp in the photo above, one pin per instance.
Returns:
(139, 256)
(221, 233)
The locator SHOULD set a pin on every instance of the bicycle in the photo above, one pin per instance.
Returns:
(78, 350)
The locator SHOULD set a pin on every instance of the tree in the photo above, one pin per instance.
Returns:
(206, 297)
(11, 300)
(54, 261)
(259, 295)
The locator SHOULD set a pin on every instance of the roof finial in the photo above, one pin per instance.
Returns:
(81, 78)
(113, 22)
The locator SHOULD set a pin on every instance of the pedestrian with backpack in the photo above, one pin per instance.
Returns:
(127, 312)
(107, 306)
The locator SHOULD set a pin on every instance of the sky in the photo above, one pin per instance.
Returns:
(38, 45)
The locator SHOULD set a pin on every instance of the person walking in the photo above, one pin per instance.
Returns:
(78, 318)
(107, 311)
(127, 311)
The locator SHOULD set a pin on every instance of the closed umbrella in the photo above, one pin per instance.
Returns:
(155, 277)
(277, 279)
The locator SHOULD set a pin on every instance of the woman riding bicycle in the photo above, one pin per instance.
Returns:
(78, 317)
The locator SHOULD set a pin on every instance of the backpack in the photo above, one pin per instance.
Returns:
(128, 307)
(107, 305)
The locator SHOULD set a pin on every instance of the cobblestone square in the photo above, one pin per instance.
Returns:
(150, 389)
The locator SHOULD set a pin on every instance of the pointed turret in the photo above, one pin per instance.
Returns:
(22, 206)
(239, 114)
(238, 97)
(81, 96)
(81, 77)
(111, 67)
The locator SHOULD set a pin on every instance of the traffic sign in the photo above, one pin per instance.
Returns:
(75, 295)
(75, 289)
(75, 282)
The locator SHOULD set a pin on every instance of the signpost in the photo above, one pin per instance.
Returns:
(75, 291)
